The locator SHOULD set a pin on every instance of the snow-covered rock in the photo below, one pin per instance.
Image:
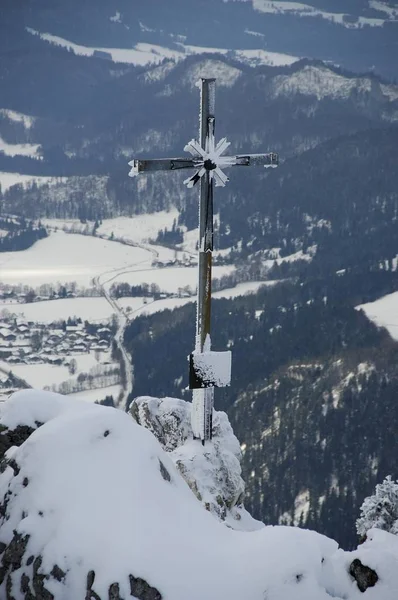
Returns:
(213, 471)
(92, 507)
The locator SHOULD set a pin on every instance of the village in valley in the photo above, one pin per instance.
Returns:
(76, 356)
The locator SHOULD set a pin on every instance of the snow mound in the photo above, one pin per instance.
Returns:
(92, 507)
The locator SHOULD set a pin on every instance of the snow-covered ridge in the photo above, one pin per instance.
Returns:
(384, 7)
(59, 484)
(306, 10)
(322, 82)
(150, 54)
(225, 74)
(142, 54)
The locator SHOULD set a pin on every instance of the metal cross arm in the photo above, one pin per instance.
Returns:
(211, 160)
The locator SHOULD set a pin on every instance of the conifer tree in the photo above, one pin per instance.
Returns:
(381, 509)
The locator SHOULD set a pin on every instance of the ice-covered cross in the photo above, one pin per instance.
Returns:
(207, 369)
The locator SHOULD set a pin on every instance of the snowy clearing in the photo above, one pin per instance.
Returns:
(40, 375)
(48, 311)
(241, 289)
(7, 180)
(140, 228)
(98, 394)
(43, 375)
(19, 149)
(65, 257)
(383, 312)
(255, 58)
(18, 117)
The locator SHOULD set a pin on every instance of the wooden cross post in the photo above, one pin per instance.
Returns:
(207, 369)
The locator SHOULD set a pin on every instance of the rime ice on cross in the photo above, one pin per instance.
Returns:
(207, 369)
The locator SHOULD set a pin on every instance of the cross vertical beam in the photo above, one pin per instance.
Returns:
(203, 398)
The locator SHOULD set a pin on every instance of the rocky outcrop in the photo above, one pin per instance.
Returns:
(212, 471)
(363, 575)
(14, 437)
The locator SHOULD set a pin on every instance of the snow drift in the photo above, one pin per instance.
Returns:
(91, 506)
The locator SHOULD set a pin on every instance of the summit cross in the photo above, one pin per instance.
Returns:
(207, 369)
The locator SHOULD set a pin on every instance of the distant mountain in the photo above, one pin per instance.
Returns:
(360, 37)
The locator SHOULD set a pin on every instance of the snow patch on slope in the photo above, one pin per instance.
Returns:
(255, 58)
(18, 117)
(225, 74)
(389, 90)
(31, 150)
(390, 11)
(383, 312)
(7, 180)
(319, 81)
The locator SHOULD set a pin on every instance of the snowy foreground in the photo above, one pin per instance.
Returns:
(92, 506)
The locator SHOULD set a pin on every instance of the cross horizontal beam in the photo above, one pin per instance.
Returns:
(138, 166)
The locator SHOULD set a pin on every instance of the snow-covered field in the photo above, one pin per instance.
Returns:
(306, 10)
(99, 310)
(98, 394)
(19, 149)
(48, 311)
(383, 312)
(7, 180)
(44, 375)
(40, 375)
(65, 257)
(139, 228)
